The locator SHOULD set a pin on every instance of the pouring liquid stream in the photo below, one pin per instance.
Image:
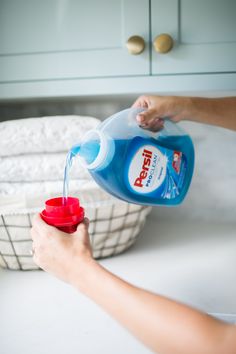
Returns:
(69, 160)
(88, 152)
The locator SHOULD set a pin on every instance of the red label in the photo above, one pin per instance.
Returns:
(177, 157)
(145, 168)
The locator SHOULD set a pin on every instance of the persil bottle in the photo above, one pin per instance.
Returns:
(137, 165)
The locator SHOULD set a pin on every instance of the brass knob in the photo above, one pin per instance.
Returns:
(135, 45)
(163, 43)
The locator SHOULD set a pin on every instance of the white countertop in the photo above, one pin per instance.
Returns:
(192, 262)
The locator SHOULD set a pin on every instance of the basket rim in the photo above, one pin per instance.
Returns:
(86, 205)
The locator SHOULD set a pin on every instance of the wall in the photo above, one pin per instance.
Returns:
(212, 194)
(98, 107)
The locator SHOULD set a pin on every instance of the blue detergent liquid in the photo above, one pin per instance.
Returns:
(175, 155)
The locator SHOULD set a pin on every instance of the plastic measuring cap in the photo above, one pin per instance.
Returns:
(64, 215)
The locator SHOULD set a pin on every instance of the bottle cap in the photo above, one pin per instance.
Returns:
(90, 143)
(63, 214)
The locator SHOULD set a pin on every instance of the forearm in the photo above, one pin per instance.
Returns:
(162, 324)
(215, 111)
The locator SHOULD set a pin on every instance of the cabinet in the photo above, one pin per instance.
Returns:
(204, 34)
(52, 39)
(75, 48)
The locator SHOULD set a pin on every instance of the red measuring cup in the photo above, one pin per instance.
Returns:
(65, 216)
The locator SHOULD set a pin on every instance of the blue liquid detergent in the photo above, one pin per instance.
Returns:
(162, 178)
(137, 165)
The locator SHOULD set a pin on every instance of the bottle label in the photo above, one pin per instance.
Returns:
(154, 169)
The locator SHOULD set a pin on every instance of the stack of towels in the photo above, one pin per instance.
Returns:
(32, 159)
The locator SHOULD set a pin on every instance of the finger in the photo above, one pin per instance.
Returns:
(156, 125)
(83, 226)
(86, 221)
(35, 259)
(34, 234)
(155, 121)
(146, 116)
(31, 251)
(137, 103)
(142, 101)
(40, 225)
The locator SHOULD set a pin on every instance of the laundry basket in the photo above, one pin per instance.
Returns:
(114, 227)
(32, 160)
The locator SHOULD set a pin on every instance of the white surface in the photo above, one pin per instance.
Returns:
(192, 262)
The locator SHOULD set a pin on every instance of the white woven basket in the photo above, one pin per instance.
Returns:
(114, 227)
(26, 183)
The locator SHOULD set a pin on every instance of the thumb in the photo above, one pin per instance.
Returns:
(82, 227)
(86, 222)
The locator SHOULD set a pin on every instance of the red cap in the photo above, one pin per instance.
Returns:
(65, 215)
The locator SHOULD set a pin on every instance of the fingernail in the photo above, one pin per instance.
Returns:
(140, 118)
(143, 126)
(159, 121)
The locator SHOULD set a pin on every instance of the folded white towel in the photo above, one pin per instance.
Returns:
(38, 168)
(46, 134)
(39, 188)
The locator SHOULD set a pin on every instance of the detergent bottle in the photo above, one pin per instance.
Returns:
(137, 165)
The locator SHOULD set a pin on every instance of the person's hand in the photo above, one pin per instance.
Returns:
(60, 253)
(160, 108)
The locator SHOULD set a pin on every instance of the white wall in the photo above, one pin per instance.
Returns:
(212, 194)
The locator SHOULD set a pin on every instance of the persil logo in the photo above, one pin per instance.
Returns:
(147, 169)
(147, 154)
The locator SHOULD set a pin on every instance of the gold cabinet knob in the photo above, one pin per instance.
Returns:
(135, 45)
(163, 43)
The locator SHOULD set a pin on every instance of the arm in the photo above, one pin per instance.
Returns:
(215, 111)
(162, 324)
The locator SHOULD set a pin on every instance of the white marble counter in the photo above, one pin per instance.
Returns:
(192, 262)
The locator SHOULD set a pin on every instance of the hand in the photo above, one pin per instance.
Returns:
(160, 108)
(60, 253)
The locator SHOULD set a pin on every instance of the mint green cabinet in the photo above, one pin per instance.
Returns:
(204, 34)
(52, 39)
(54, 48)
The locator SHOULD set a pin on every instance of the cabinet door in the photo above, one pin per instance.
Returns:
(61, 39)
(204, 34)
